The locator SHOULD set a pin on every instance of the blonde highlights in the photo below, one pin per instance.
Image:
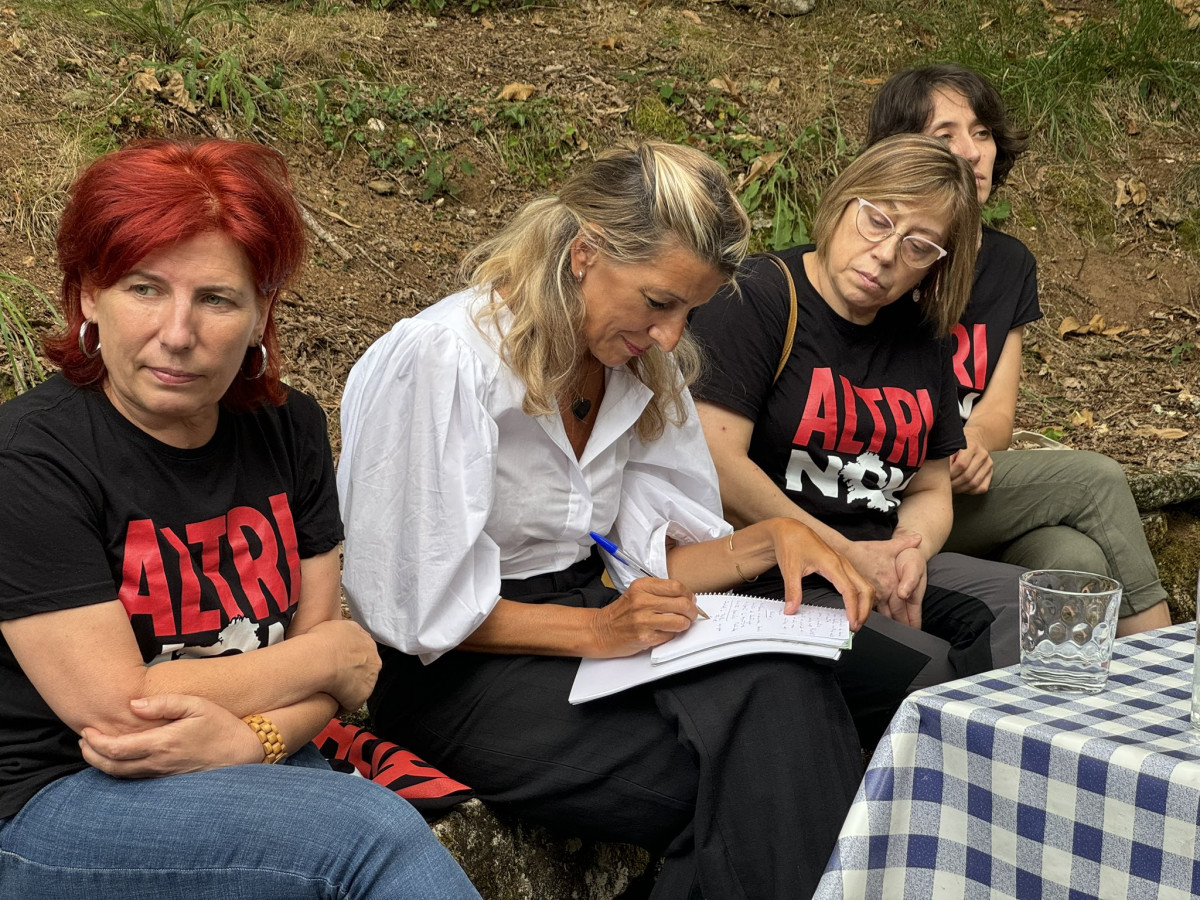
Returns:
(634, 203)
(919, 172)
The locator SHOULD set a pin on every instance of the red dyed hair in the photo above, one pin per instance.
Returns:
(155, 194)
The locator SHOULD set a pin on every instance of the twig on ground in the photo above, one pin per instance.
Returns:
(316, 228)
(365, 255)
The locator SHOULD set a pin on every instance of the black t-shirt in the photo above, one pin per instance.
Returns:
(857, 409)
(1005, 296)
(202, 546)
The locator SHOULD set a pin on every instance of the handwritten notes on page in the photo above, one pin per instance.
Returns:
(739, 626)
(733, 619)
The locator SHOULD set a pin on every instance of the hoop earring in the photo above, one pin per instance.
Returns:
(83, 339)
(262, 367)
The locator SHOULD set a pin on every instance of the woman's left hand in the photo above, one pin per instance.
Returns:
(189, 734)
(971, 468)
(903, 605)
(799, 552)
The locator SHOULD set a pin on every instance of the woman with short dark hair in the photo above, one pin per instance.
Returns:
(1037, 509)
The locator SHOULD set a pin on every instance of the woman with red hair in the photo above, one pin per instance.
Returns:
(169, 577)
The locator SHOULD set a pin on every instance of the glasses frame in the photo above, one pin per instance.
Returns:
(915, 239)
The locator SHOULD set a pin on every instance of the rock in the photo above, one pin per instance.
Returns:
(511, 860)
(1178, 561)
(382, 186)
(1154, 490)
(1155, 526)
(790, 7)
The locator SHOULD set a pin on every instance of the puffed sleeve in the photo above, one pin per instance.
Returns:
(416, 481)
(669, 489)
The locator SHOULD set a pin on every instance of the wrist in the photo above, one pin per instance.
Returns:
(270, 742)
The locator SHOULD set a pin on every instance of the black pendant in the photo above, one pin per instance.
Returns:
(581, 407)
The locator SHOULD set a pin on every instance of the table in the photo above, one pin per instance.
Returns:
(984, 787)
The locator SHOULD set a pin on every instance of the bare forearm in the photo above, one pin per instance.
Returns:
(246, 683)
(713, 565)
(540, 629)
(749, 497)
(929, 514)
(300, 722)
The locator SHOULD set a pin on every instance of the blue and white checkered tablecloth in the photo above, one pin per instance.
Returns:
(987, 788)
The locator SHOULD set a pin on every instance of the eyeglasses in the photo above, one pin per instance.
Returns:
(874, 225)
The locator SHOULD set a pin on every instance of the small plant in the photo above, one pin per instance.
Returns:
(390, 125)
(1180, 352)
(16, 334)
(996, 212)
(169, 24)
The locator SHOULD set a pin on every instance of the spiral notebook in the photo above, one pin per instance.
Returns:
(737, 626)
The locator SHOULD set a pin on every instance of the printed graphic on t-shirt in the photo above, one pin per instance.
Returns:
(856, 445)
(223, 585)
(970, 363)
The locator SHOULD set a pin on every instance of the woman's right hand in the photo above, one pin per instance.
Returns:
(650, 613)
(876, 561)
(355, 662)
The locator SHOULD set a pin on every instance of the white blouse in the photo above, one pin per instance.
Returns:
(447, 486)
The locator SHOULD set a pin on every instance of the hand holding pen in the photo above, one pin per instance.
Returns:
(625, 559)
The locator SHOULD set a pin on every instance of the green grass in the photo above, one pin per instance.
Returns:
(1067, 82)
(17, 334)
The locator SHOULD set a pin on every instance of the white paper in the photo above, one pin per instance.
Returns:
(601, 677)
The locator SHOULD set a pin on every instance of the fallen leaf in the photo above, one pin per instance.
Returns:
(1083, 419)
(516, 90)
(1115, 330)
(486, 23)
(773, 85)
(1137, 192)
(144, 82)
(871, 81)
(1122, 193)
(1096, 325)
(1166, 434)
(691, 17)
(1069, 325)
(987, 23)
(1073, 383)
(724, 83)
(610, 43)
(536, 21)
(175, 93)
(760, 167)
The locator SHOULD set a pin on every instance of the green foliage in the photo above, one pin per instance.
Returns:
(996, 212)
(391, 126)
(16, 334)
(1058, 76)
(221, 80)
(788, 192)
(1180, 352)
(540, 140)
(169, 24)
(1054, 433)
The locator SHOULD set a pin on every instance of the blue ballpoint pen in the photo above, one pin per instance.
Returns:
(625, 559)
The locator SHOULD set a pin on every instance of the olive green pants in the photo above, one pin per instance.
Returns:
(1060, 509)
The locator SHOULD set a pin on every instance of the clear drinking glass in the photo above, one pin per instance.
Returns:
(1068, 623)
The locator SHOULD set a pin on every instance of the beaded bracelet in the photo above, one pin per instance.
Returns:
(737, 567)
(274, 748)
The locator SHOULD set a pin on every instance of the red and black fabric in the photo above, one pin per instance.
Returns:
(432, 793)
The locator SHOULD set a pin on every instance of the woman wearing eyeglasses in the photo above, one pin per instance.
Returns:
(851, 428)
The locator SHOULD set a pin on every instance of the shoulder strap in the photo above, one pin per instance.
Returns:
(791, 325)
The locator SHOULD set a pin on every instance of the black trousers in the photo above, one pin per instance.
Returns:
(739, 773)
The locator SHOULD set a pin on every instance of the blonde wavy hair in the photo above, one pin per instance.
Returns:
(919, 172)
(634, 203)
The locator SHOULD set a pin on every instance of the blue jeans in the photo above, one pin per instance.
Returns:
(293, 830)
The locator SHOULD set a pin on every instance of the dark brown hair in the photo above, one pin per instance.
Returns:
(905, 103)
